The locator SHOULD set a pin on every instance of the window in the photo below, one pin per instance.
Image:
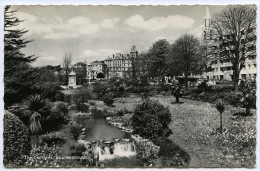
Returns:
(255, 65)
(249, 66)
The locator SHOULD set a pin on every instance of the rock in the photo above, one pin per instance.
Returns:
(84, 142)
(108, 118)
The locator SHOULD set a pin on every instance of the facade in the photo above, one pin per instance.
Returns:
(96, 70)
(219, 67)
(119, 65)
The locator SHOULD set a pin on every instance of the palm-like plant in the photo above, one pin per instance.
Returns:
(35, 102)
(220, 106)
(35, 125)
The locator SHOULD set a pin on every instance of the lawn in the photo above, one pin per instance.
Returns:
(193, 126)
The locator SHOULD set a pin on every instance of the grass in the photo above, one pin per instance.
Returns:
(194, 124)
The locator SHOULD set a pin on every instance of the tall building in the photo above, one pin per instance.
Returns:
(119, 65)
(219, 67)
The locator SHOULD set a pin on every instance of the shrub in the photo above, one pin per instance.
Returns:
(51, 139)
(108, 99)
(120, 113)
(81, 107)
(59, 96)
(17, 142)
(151, 120)
(23, 115)
(80, 148)
(75, 130)
(100, 89)
(166, 87)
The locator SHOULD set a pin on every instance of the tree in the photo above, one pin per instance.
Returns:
(234, 29)
(66, 65)
(151, 120)
(19, 77)
(185, 57)
(156, 63)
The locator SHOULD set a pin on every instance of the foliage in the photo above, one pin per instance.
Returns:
(51, 139)
(231, 98)
(249, 95)
(81, 106)
(171, 154)
(100, 89)
(18, 75)
(185, 56)
(59, 96)
(80, 148)
(151, 120)
(108, 99)
(35, 102)
(157, 58)
(233, 28)
(84, 94)
(17, 142)
(75, 130)
(220, 105)
(23, 115)
(90, 159)
(35, 125)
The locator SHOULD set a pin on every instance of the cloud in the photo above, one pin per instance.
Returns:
(137, 22)
(45, 59)
(197, 31)
(109, 23)
(100, 54)
(56, 28)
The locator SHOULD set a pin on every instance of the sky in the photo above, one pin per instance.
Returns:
(95, 32)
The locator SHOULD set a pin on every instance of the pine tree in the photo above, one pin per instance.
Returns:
(18, 75)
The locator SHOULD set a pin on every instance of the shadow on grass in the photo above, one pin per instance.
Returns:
(242, 114)
(171, 155)
(177, 103)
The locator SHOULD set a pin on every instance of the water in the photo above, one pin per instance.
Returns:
(97, 127)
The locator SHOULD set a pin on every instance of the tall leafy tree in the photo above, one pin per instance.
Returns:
(18, 75)
(235, 30)
(186, 56)
(156, 63)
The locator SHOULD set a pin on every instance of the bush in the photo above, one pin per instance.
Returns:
(52, 138)
(120, 113)
(23, 115)
(80, 148)
(81, 107)
(166, 87)
(108, 99)
(59, 96)
(17, 142)
(75, 130)
(151, 120)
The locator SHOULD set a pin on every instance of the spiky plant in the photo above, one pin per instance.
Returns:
(35, 125)
(220, 106)
(35, 102)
